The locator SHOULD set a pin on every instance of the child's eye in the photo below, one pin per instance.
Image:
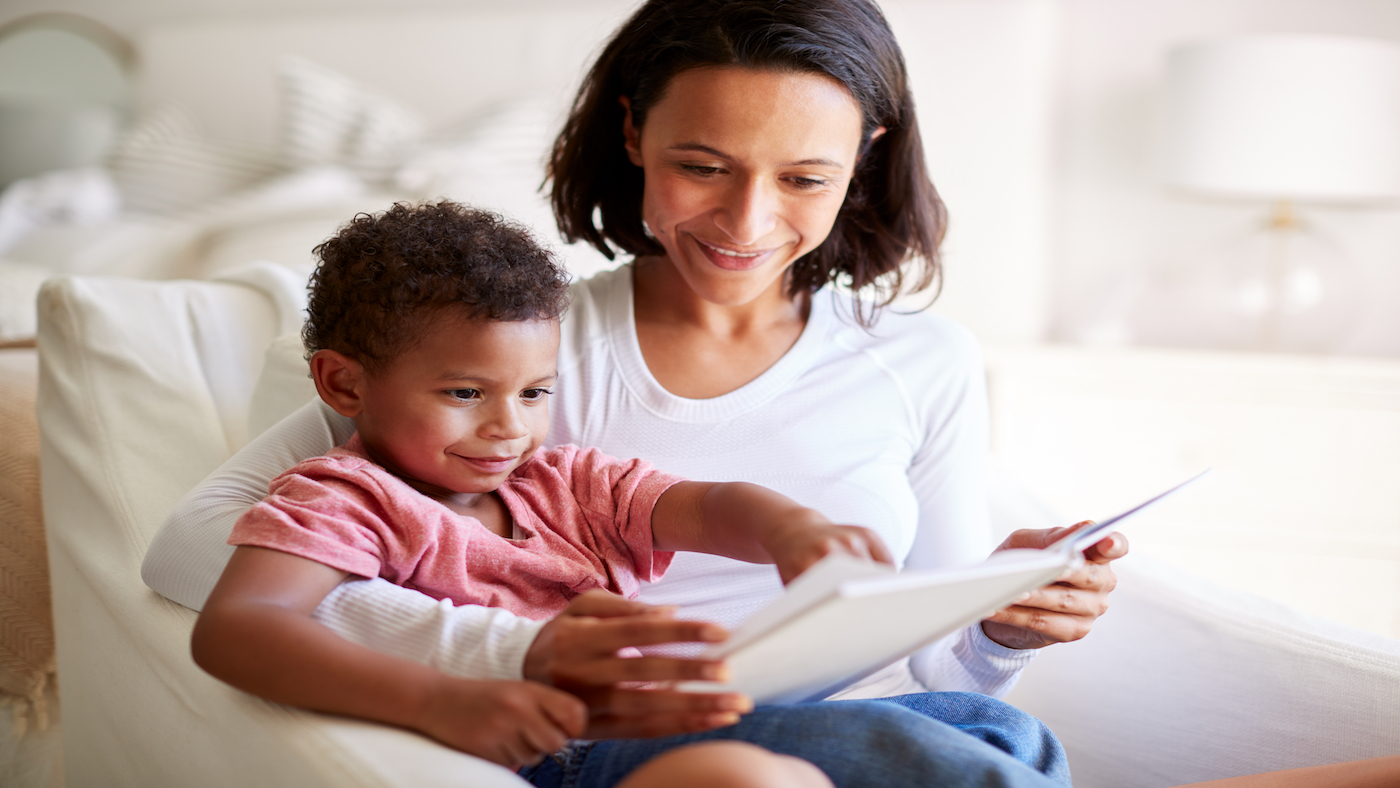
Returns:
(533, 395)
(463, 394)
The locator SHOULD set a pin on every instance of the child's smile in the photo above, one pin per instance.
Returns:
(466, 406)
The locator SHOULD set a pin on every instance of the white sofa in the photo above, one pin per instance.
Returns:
(145, 388)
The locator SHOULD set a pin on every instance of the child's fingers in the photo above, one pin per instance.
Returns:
(539, 721)
(568, 714)
(537, 741)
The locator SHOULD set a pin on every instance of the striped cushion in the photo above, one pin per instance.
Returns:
(329, 118)
(166, 166)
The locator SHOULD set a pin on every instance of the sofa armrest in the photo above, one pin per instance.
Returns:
(130, 420)
(1185, 681)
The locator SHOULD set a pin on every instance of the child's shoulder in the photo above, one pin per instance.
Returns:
(567, 456)
(345, 467)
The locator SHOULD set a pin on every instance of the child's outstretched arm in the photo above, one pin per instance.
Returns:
(755, 524)
(256, 633)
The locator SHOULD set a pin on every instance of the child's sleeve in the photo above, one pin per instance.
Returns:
(322, 513)
(186, 557)
(617, 498)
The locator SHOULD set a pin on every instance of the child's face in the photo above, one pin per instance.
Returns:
(464, 408)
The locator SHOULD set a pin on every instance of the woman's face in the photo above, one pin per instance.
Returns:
(745, 172)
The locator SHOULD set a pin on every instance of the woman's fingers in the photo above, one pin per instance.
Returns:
(581, 644)
(607, 726)
(1065, 610)
(639, 702)
(1110, 548)
(643, 713)
(614, 670)
(588, 638)
(605, 605)
(634, 713)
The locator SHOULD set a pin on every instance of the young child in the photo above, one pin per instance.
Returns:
(435, 328)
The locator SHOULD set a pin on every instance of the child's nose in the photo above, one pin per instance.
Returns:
(507, 423)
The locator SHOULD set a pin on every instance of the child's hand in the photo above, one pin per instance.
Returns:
(513, 723)
(756, 524)
(797, 542)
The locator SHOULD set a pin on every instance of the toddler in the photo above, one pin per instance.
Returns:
(435, 329)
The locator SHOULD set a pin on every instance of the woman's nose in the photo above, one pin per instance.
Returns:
(749, 212)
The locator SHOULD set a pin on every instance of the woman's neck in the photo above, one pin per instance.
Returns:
(699, 349)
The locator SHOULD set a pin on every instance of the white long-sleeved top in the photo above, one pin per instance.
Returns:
(882, 427)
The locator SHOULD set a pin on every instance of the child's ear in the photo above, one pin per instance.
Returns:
(338, 379)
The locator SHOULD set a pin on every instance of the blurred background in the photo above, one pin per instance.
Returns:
(1161, 282)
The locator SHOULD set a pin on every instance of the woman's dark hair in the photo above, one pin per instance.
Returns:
(384, 277)
(891, 212)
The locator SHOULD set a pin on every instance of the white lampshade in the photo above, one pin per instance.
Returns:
(1284, 117)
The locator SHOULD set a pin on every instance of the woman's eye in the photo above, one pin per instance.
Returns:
(533, 395)
(807, 183)
(699, 169)
(463, 394)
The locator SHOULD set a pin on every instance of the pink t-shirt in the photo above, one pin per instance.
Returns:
(583, 518)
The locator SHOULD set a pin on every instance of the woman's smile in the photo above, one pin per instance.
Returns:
(732, 259)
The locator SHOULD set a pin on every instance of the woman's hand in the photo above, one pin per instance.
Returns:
(578, 651)
(1065, 610)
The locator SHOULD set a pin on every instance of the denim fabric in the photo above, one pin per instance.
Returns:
(997, 723)
(950, 740)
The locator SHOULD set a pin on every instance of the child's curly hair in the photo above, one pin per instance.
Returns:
(384, 277)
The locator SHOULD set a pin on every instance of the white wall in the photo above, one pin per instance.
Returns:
(1113, 219)
(1108, 218)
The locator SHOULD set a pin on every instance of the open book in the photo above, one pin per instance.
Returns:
(844, 618)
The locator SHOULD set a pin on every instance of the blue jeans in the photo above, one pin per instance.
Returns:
(952, 739)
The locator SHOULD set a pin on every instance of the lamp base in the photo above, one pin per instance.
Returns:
(1281, 286)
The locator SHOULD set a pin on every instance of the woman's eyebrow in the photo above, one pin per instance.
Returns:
(695, 147)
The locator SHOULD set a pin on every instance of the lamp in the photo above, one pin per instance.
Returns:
(1286, 119)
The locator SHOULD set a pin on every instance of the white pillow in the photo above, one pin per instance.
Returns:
(83, 195)
(496, 160)
(166, 166)
(329, 118)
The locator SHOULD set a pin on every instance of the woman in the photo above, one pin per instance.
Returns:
(748, 155)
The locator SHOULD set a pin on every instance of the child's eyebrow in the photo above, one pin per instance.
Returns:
(453, 376)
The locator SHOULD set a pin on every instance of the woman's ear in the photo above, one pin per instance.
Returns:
(339, 380)
(874, 135)
(632, 140)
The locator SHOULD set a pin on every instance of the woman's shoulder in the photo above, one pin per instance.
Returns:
(907, 337)
(597, 292)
